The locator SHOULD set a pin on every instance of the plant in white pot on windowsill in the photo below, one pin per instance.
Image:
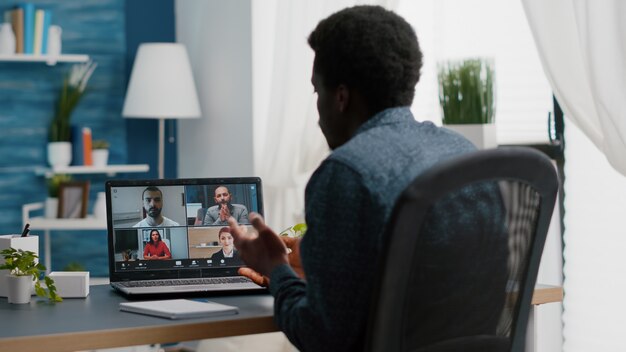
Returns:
(467, 99)
(51, 207)
(100, 153)
(23, 271)
(74, 84)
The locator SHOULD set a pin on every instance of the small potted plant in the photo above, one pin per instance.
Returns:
(100, 152)
(52, 202)
(467, 99)
(74, 84)
(23, 271)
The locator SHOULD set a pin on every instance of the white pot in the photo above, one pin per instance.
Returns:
(59, 154)
(100, 207)
(100, 157)
(483, 136)
(51, 208)
(19, 289)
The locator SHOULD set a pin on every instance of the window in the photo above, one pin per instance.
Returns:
(454, 29)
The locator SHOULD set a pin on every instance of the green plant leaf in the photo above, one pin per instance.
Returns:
(23, 263)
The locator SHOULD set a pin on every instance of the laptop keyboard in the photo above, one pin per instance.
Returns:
(183, 282)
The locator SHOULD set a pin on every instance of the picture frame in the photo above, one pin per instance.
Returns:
(73, 199)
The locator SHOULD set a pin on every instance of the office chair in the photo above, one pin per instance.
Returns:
(462, 253)
(200, 216)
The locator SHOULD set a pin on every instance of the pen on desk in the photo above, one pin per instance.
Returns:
(25, 232)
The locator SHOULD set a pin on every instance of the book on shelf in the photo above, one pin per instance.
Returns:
(47, 18)
(81, 146)
(17, 22)
(87, 139)
(29, 26)
(38, 32)
(76, 137)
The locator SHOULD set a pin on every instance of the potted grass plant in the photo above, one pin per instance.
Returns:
(74, 85)
(467, 99)
(23, 271)
(100, 152)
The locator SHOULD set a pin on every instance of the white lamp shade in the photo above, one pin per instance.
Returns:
(161, 84)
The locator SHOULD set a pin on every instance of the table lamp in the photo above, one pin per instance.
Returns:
(161, 86)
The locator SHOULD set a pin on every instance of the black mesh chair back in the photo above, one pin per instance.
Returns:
(462, 253)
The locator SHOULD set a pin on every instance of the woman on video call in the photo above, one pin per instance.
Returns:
(156, 249)
(228, 250)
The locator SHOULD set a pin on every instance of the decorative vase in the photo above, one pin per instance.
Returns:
(19, 289)
(51, 208)
(483, 136)
(100, 157)
(100, 207)
(7, 39)
(54, 40)
(59, 154)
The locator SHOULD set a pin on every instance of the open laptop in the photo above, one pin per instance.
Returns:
(189, 250)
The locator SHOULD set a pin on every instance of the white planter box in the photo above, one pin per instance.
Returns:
(71, 284)
(483, 136)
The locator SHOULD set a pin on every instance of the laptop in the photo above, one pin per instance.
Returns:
(168, 236)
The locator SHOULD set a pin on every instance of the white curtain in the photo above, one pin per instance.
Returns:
(288, 143)
(582, 45)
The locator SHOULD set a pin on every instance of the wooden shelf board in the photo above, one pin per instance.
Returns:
(109, 169)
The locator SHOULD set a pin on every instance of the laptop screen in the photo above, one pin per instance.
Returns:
(177, 228)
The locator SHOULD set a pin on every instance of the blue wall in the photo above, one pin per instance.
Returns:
(28, 92)
(149, 21)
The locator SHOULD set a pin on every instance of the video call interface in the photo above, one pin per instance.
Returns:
(191, 229)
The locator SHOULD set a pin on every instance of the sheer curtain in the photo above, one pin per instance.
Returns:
(582, 45)
(287, 141)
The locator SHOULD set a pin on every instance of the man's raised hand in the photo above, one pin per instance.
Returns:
(262, 251)
(293, 246)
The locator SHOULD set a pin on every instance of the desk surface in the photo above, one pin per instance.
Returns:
(96, 322)
(547, 294)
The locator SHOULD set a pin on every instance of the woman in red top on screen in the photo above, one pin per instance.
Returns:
(156, 249)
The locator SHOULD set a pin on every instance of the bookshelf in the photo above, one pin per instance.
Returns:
(41, 223)
(49, 60)
(89, 223)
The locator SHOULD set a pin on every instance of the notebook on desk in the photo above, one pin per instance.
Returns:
(169, 236)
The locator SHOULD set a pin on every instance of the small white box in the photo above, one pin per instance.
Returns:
(71, 284)
(29, 243)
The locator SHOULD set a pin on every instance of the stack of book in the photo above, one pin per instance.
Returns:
(30, 26)
(81, 146)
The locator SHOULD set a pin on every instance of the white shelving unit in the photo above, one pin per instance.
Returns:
(47, 225)
(110, 170)
(50, 60)
(88, 223)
